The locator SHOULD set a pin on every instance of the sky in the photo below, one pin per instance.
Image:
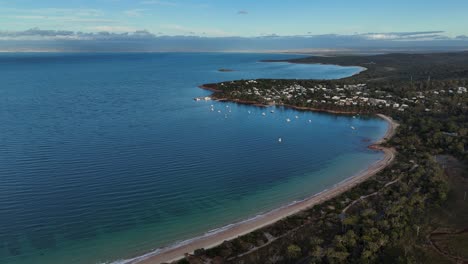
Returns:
(363, 20)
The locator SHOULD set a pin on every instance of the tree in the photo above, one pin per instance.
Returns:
(294, 251)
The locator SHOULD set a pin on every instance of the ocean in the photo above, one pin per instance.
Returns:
(105, 157)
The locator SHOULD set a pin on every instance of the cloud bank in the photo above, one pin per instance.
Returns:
(123, 39)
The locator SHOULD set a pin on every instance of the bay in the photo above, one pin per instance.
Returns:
(107, 156)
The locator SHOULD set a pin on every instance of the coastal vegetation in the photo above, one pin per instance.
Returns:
(413, 211)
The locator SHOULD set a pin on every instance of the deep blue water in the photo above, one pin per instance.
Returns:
(107, 156)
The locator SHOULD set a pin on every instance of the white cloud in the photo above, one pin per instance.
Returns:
(116, 31)
(158, 2)
(63, 19)
(125, 38)
(113, 29)
(134, 12)
(416, 35)
(85, 12)
(98, 33)
(213, 32)
(56, 15)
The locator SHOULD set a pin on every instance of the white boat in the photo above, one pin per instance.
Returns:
(280, 140)
(272, 111)
(310, 121)
(288, 120)
(297, 117)
(248, 112)
(263, 114)
(353, 128)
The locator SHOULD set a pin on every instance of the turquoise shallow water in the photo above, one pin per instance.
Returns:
(106, 156)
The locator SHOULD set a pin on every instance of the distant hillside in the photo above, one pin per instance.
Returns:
(401, 66)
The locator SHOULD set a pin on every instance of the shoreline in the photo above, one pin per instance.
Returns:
(232, 231)
(294, 61)
(300, 108)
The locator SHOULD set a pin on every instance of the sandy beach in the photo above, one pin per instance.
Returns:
(210, 240)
